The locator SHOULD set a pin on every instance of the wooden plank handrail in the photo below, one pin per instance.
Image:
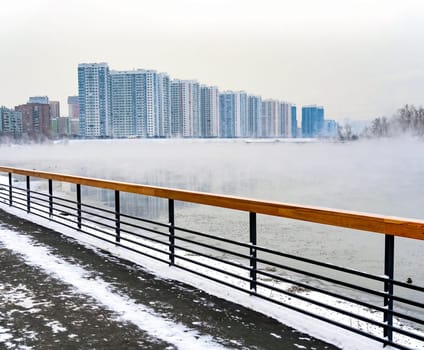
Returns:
(409, 228)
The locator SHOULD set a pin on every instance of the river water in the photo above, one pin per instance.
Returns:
(377, 176)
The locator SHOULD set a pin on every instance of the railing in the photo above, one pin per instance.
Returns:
(253, 270)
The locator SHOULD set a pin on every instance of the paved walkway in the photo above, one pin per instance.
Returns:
(78, 306)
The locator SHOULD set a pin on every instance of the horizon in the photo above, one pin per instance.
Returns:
(357, 59)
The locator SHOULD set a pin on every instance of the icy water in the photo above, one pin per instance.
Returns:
(57, 294)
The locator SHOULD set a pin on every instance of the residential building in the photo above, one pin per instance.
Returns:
(312, 120)
(242, 119)
(233, 110)
(286, 122)
(209, 111)
(126, 104)
(94, 100)
(54, 109)
(254, 110)
(36, 120)
(227, 114)
(269, 122)
(10, 123)
(293, 121)
(73, 107)
(185, 108)
(140, 103)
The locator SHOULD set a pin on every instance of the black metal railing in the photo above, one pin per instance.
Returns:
(247, 266)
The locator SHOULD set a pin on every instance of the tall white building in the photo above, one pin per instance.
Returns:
(209, 111)
(140, 103)
(233, 111)
(254, 109)
(185, 108)
(269, 119)
(94, 100)
(285, 125)
(126, 109)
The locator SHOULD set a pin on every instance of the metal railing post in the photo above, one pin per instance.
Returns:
(171, 231)
(388, 285)
(79, 206)
(28, 191)
(10, 190)
(50, 198)
(253, 262)
(117, 216)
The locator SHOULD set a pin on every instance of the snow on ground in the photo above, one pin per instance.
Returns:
(56, 326)
(4, 335)
(22, 299)
(127, 309)
(303, 323)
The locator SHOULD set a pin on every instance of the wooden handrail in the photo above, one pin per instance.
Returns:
(409, 228)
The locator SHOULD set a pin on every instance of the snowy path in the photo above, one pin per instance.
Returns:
(56, 293)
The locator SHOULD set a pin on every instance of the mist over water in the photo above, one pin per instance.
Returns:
(379, 176)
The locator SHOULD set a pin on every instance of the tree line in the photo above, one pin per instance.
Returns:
(407, 120)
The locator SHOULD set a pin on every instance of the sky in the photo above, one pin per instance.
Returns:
(358, 58)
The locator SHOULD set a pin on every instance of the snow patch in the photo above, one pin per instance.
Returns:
(56, 326)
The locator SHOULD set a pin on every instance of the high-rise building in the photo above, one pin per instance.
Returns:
(73, 107)
(269, 123)
(140, 103)
(126, 104)
(293, 121)
(286, 120)
(36, 120)
(185, 108)
(233, 111)
(156, 102)
(254, 109)
(227, 114)
(94, 100)
(242, 118)
(54, 109)
(312, 120)
(10, 123)
(209, 111)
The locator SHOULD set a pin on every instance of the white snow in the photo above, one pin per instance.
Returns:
(56, 326)
(4, 334)
(127, 309)
(22, 299)
(309, 325)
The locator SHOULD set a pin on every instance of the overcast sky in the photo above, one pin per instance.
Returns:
(358, 58)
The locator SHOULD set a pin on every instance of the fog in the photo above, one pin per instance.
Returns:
(382, 176)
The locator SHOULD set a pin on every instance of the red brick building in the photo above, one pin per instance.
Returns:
(36, 120)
